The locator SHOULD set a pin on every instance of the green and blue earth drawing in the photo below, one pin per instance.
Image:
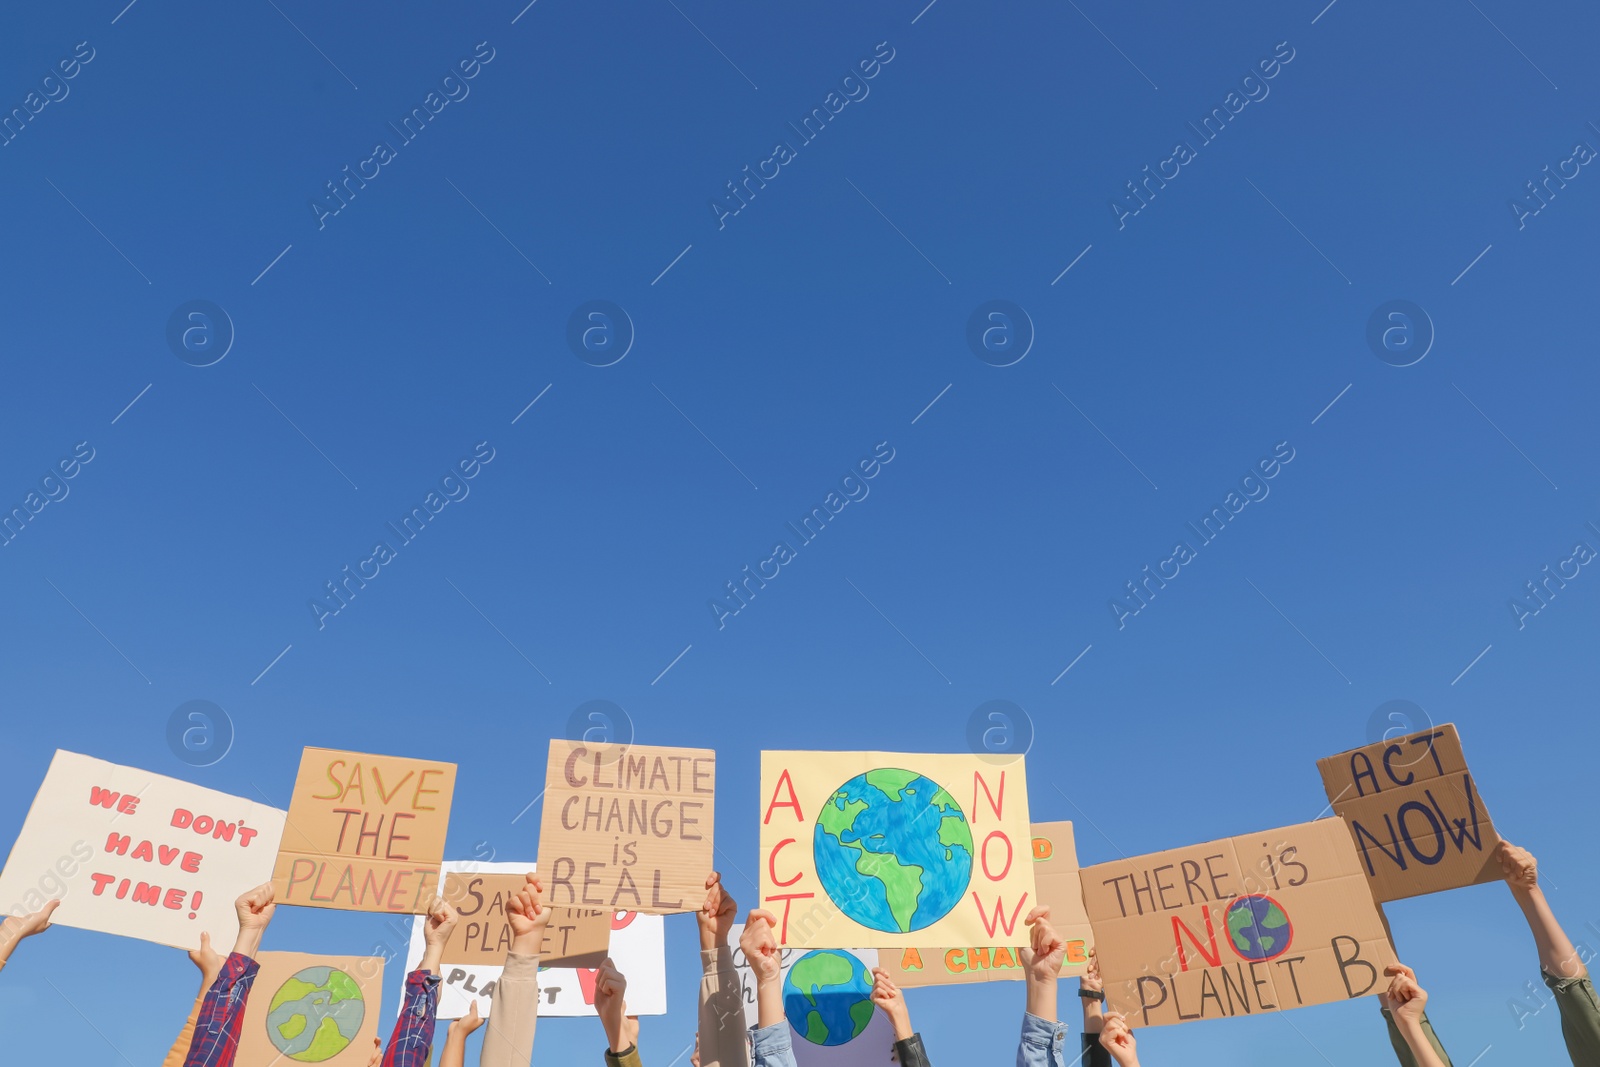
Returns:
(827, 996)
(316, 1014)
(1258, 927)
(893, 850)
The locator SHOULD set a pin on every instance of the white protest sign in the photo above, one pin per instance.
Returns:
(638, 947)
(827, 1000)
(138, 854)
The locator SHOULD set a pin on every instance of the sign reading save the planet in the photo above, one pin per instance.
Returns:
(311, 1009)
(879, 850)
(1240, 926)
(827, 1000)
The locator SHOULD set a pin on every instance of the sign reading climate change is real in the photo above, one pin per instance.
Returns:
(1240, 926)
(138, 854)
(878, 850)
(627, 826)
(1415, 814)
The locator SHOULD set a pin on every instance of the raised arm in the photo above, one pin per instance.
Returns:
(17, 927)
(1563, 967)
(890, 1000)
(1043, 1035)
(210, 963)
(221, 1018)
(719, 1041)
(1116, 1037)
(1405, 1000)
(770, 1038)
(611, 1004)
(514, 1005)
(411, 1043)
(455, 1039)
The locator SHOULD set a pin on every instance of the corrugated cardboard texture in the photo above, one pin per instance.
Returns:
(1168, 953)
(627, 827)
(1055, 873)
(364, 832)
(1415, 814)
(317, 1011)
(574, 938)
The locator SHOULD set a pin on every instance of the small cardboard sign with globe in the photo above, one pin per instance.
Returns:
(1240, 926)
(364, 832)
(879, 850)
(311, 1009)
(1055, 872)
(1415, 814)
(827, 1001)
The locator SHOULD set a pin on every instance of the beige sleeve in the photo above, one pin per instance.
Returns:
(722, 1029)
(180, 1047)
(513, 1014)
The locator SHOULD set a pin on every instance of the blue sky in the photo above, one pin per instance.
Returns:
(376, 347)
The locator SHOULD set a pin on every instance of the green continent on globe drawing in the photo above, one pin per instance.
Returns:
(903, 881)
(315, 1015)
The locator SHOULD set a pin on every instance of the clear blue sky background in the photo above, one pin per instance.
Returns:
(775, 353)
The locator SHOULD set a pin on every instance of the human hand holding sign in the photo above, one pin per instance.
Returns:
(1406, 1000)
(716, 915)
(1117, 1039)
(610, 989)
(1041, 960)
(17, 927)
(435, 933)
(761, 952)
(255, 910)
(1090, 982)
(528, 915)
(1557, 956)
(892, 1002)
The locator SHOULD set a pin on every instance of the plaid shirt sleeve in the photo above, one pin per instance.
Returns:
(412, 1040)
(216, 1031)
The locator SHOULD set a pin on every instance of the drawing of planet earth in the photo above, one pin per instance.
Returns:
(827, 996)
(893, 850)
(316, 1014)
(1258, 927)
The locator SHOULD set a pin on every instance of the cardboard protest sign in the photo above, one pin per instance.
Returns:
(637, 945)
(311, 1009)
(627, 826)
(1055, 872)
(826, 999)
(574, 938)
(1415, 814)
(1239, 926)
(364, 833)
(875, 850)
(138, 854)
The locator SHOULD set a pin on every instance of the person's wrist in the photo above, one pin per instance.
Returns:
(531, 944)
(248, 943)
(902, 1029)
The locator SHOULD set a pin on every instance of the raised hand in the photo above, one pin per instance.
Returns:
(208, 960)
(1046, 949)
(1090, 979)
(1517, 866)
(1117, 1039)
(255, 910)
(761, 952)
(889, 1000)
(716, 915)
(1404, 998)
(610, 1003)
(436, 932)
(528, 915)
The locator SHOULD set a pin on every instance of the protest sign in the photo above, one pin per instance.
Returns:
(364, 833)
(1239, 926)
(1414, 813)
(311, 1009)
(138, 854)
(637, 945)
(574, 938)
(827, 1002)
(627, 826)
(1055, 872)
(877, 850)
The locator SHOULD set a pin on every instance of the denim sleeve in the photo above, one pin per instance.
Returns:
(772, 1045)
(1041, 1044)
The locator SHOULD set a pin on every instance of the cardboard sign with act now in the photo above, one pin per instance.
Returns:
(627, 827)
(364, 833)
(1055, 871)
(1240, 926)
(1414, 813)
(884, 850)
(138, 854)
